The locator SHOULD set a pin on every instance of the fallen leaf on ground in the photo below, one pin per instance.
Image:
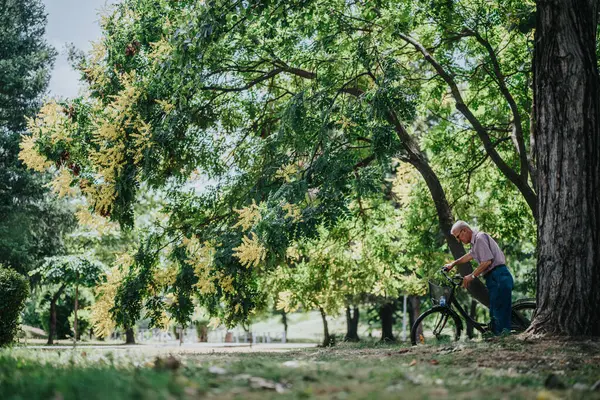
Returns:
(580, 386)
(546, 395)
(216, 370)
(170, 362)
(434, 362)
(291, 364)
(438, 392)
(413, 362)
(257, 382)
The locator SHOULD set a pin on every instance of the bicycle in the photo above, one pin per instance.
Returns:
(442, 323)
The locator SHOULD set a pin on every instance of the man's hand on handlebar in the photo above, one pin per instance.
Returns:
(447, 267)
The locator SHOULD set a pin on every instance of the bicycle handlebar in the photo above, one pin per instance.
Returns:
(454, 280)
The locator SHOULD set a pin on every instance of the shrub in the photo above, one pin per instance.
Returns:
(14, 290)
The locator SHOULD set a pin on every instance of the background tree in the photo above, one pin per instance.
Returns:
(32, 224)
(291, 113)
(14, 289)
(63, 272)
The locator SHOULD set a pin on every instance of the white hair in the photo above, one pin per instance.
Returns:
(458, 225)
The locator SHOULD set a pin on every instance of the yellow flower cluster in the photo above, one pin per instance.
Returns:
(404, 182)
(160, 50)
(166, 276)
(94, 69)
(200, 257)
(101, 317)
(142, 136)
(94, 221)
(226, 283)
(50, 123)
(61, 184)
(166, 106)
(287, 172)
(250, 252)
(292, 253)
(30, 155)
(112, 143)
(345, 122)
(248, 216)
(286, 302)
(293, 211)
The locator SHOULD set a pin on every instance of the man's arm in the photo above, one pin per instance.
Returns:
(478, 271)
(464, 259)
(481, 267)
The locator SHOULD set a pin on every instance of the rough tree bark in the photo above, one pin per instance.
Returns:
(386, 314)
(566, 96)
(352, 315)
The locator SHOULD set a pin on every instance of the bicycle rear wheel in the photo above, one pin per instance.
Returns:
(438, 325)
(522, 314)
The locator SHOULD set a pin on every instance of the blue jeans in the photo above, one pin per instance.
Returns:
(500, 283)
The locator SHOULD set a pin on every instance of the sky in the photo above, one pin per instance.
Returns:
(71, 21)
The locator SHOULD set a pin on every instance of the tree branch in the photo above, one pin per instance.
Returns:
(517, 120)
(515, 178)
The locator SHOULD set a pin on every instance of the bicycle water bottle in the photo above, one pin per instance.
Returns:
(442, 301)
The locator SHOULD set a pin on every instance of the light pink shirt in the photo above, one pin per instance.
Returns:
(484, 248)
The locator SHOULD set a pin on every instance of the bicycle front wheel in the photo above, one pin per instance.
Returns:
(438, 325)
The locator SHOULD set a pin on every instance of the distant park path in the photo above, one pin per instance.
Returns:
(187, 347)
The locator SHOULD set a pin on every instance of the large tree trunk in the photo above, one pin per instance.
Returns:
(52, 327)
(129, 336)
(386, 314)
(352, 315)
(566, 90)
(326, 337)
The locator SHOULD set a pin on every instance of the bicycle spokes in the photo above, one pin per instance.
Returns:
(439, 328)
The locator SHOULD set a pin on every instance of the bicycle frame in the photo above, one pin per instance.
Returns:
(454, 310)
(453, 303)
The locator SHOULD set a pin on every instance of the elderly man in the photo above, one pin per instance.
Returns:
(492, 266)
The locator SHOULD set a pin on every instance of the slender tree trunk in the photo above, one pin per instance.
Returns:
(75, 320)
(445, 220)
(386, 314)
(566, 95)
(284, 322)
(352, 315)
(52, 327)
(472, 313)
(326, 337)
(129, 336)
(415, 311)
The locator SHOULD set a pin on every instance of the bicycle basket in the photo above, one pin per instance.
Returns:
(437, 291)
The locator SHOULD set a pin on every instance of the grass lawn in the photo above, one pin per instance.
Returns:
(509, 368)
